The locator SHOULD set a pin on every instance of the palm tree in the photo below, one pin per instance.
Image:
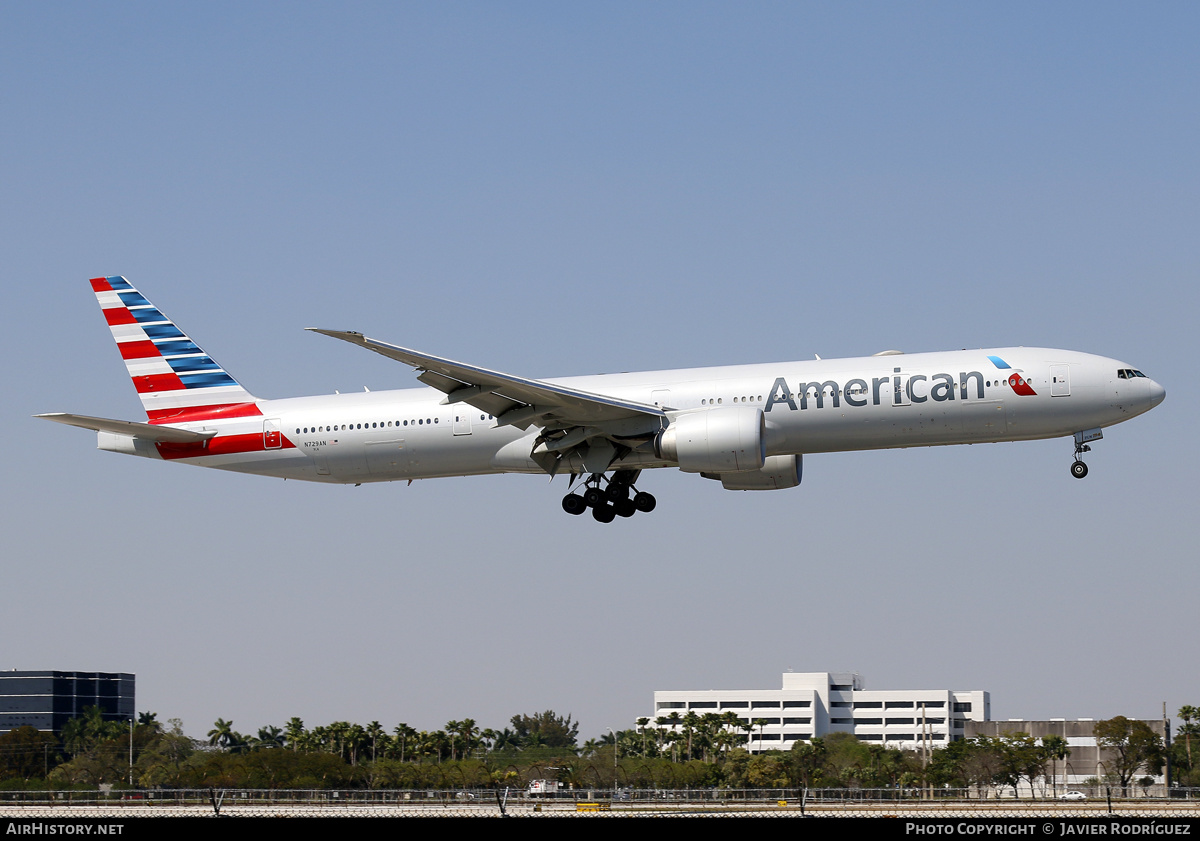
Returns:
(404, 733)
(660, 724)
(674, 720)
(1187, 713)
(308, 741)
(733, 725)
(452, 728)
(269, 737)
(710, 725)
(760, 723)
(374, 732)
(293, 731)
(748, 726)
(1055, 749)
(356, 740)
(506, 739)
(82, 733)
(433, 743)
(344, 740)
(641, 723)
(320, 738)
(487, 736)
(690, 722)
(221, 734)
(468, 733)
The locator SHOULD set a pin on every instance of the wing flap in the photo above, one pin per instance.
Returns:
(145, 431)
(440, 382)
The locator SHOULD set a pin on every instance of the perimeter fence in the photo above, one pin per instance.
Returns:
(911, 803)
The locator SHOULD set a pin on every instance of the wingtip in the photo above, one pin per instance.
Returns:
(344, 335)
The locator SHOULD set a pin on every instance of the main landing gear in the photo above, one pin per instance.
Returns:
(612, 501)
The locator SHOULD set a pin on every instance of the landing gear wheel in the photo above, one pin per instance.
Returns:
(1078, 469)
(608, 498)
(616, 491)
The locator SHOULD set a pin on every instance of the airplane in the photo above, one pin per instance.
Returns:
(746, 426)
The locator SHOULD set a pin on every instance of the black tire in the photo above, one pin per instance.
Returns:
(644, 502)
(624, 507)
(616, 491)
(604, 514)
(574, 504)
(593, 497)
(1078, 469)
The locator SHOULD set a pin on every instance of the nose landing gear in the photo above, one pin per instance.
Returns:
(1078, 468)
(612, 501)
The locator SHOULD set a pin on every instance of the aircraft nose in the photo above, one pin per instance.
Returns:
(1157, 394)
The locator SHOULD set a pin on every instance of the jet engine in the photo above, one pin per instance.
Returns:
(723, 440)
(778, 473)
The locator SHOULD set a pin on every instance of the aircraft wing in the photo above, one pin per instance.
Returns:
(511, 400)
(145, 431)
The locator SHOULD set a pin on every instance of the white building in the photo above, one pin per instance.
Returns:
(818, 703)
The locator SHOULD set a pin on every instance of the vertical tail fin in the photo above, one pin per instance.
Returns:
(176, 380)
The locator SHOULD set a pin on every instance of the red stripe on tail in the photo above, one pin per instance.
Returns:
(199, 413)
(157, 382)
(138, 350)
(118, 315)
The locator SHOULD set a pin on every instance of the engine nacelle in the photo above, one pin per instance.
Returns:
(778, 473)
(725, 440)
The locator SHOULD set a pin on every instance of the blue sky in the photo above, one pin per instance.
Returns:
(557, 189)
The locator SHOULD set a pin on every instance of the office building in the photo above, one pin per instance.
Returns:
(46, 700)
(814, 704)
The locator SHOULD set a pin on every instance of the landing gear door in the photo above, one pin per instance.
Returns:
(1060, 380)
(272, 439)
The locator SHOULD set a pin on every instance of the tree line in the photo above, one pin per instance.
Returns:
(675, 751)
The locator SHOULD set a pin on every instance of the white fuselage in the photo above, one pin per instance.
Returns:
(898, 400)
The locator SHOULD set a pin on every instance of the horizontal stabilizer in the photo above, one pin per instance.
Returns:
(145, 431)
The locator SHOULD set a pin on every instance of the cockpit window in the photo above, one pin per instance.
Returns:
(1129, 374)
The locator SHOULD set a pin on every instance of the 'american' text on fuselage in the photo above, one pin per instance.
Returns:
(857, 392)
